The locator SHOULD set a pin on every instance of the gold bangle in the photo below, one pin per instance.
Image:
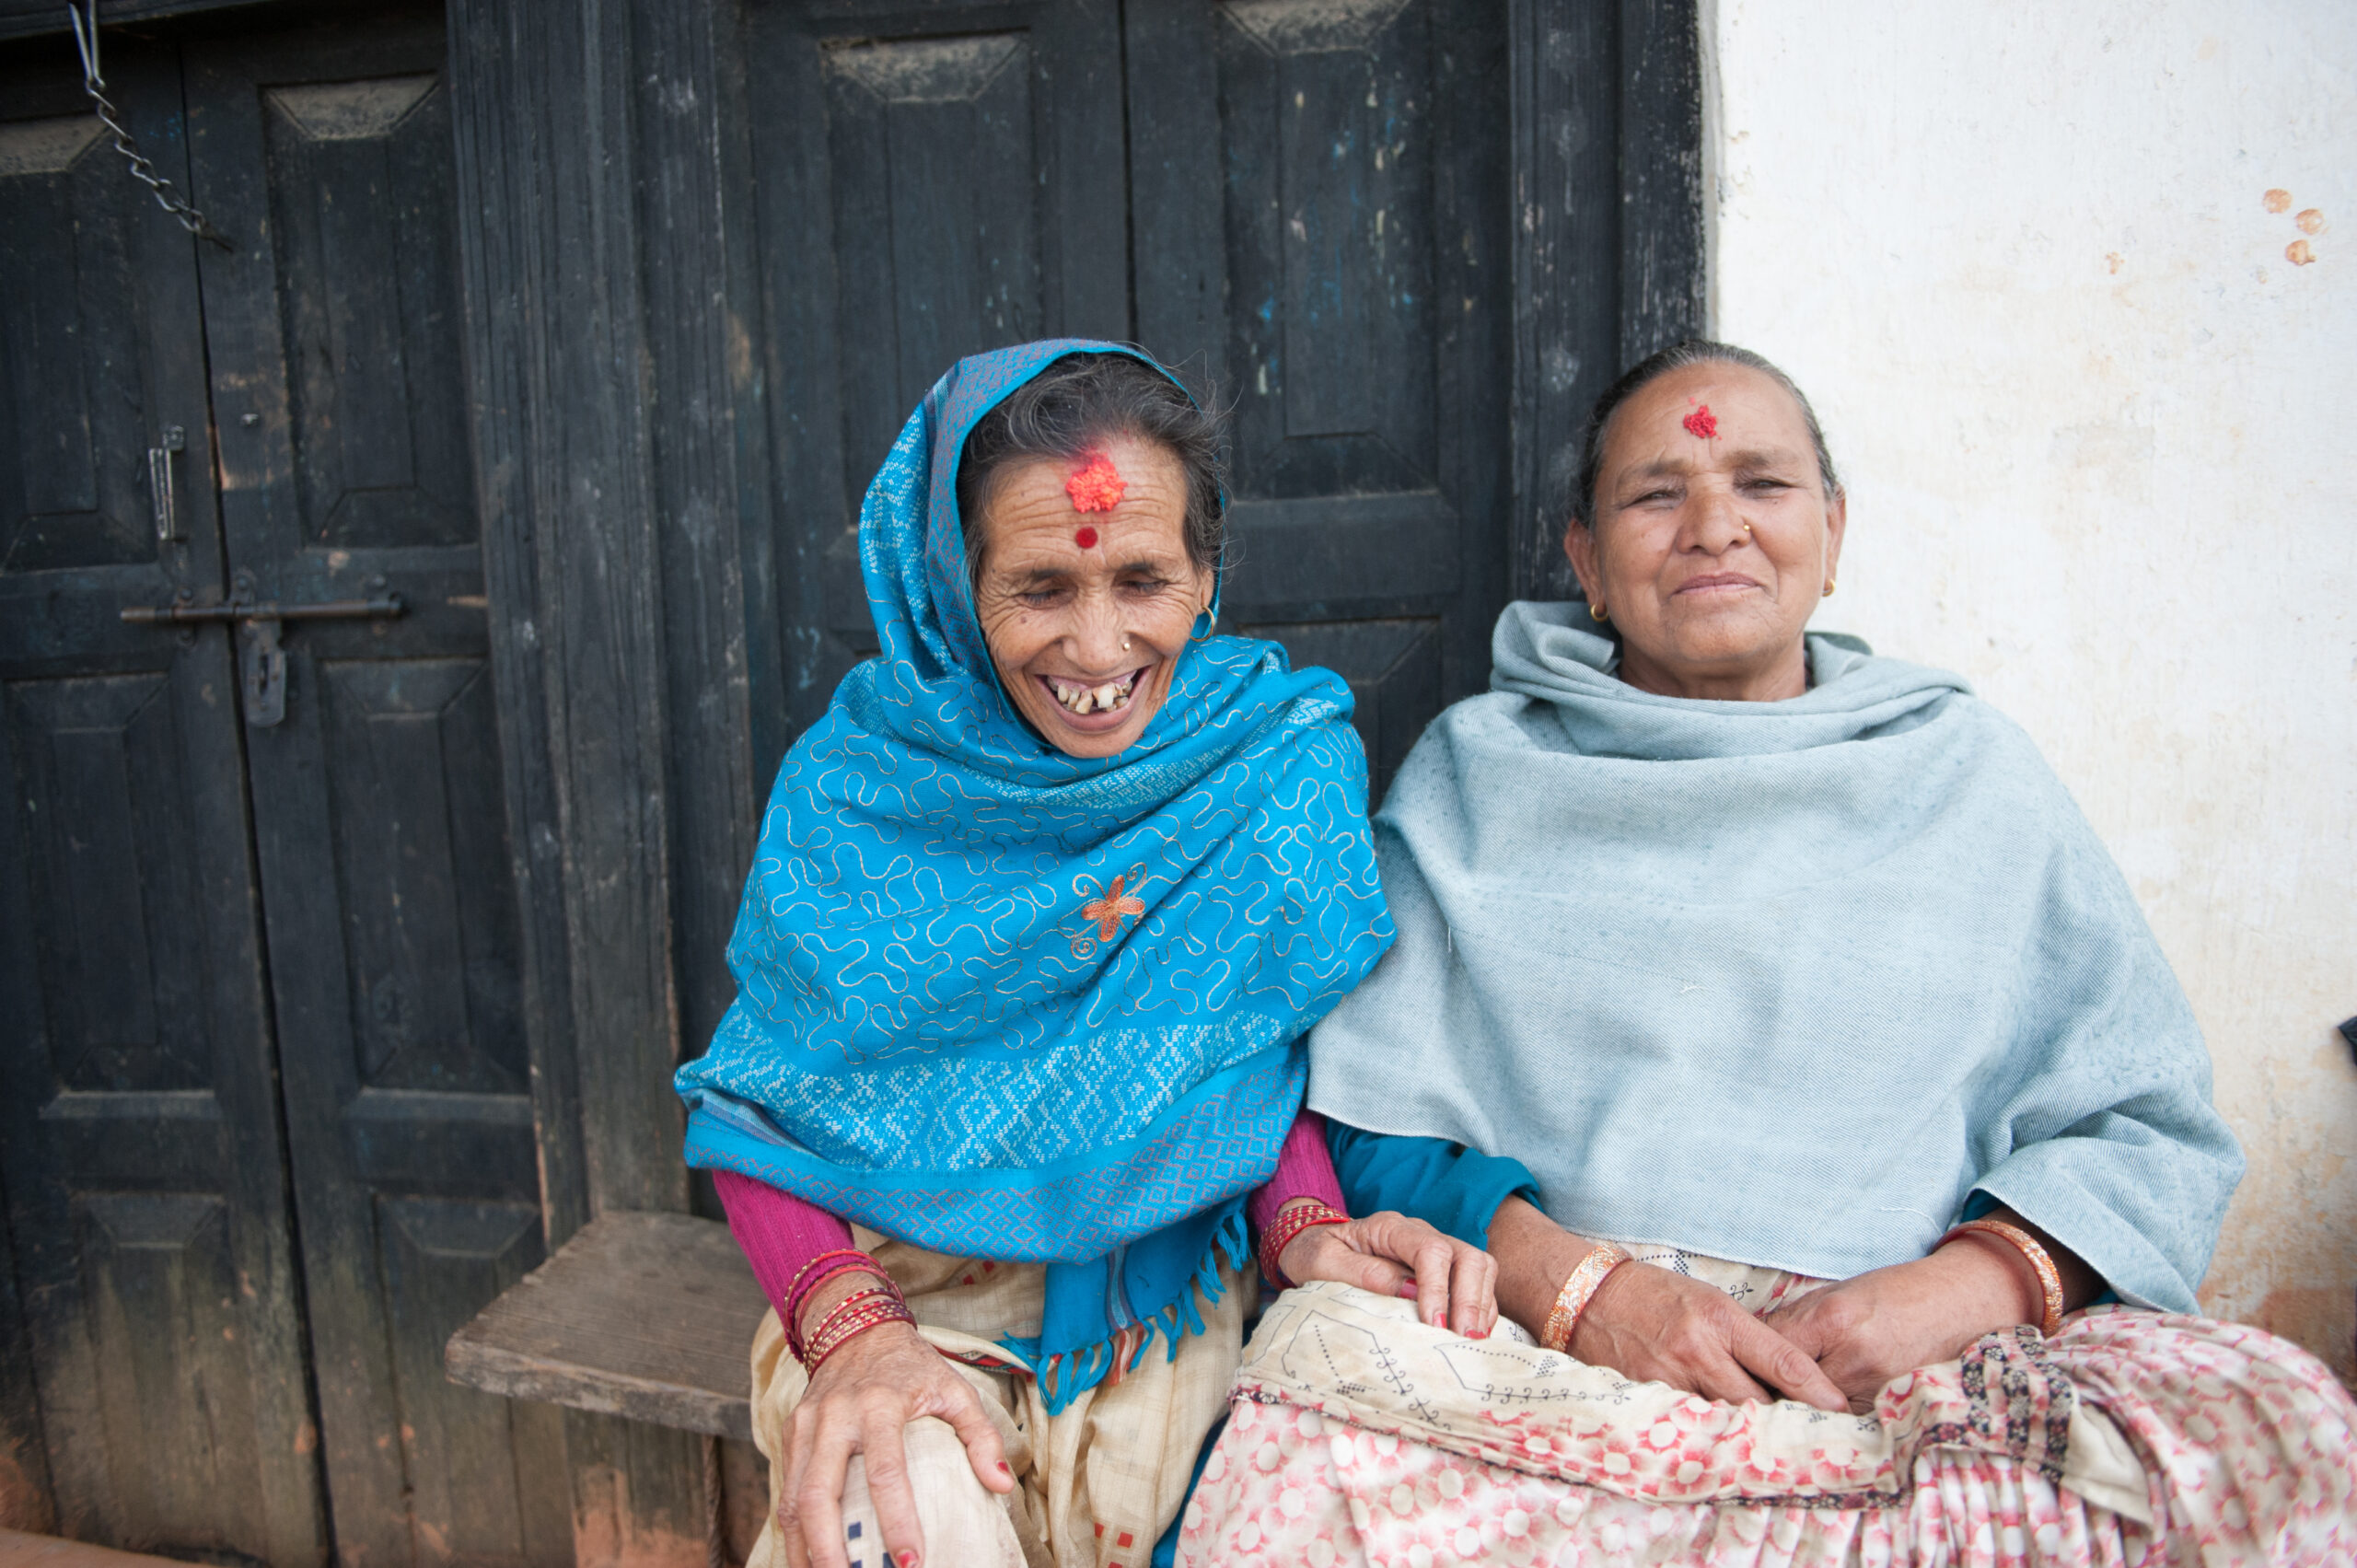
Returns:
(2041, 1263)
(1579, 1289)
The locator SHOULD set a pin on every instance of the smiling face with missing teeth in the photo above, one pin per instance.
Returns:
(1086, 637)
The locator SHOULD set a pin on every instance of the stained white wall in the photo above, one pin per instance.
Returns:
(2098, 423)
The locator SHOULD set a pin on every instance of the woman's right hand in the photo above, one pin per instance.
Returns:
(1649, 1323)
(858, 1402)
(1661, 1327)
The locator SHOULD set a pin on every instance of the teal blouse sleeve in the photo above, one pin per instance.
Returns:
(1449, 1187)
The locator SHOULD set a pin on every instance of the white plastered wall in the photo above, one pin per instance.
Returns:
(2098, 424)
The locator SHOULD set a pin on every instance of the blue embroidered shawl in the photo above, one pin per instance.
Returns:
(1004, 1003)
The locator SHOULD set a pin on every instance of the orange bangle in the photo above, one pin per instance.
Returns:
(2041, 1263)
(1579, 1289)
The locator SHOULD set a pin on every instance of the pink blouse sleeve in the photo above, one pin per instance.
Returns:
(780, 1232)
(1304, 1170)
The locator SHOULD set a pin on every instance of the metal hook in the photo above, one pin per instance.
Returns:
(85, 38)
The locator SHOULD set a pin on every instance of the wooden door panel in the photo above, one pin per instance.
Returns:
(369, 298)
(387, 880)
(139, 1136)
(927, 184)
(1326, 110)
(100, 779)
(934, 159)
(77, 389)
(1344, 204)
(175, 1396)
(481, 1466)
(430, 944)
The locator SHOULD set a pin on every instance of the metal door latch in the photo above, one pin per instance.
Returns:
(161, 489)
(261, 662)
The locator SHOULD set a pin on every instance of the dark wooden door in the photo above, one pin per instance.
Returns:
(1299, 203)
(387, 891)
(1320, 216)
(139, 1122)
(268, 1140)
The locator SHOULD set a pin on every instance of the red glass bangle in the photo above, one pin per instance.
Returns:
(1285, 1227)
(841, 1256)
(843, 1326)
(799, 1342)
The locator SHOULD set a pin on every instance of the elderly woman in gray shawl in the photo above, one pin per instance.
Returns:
(1770, 1012)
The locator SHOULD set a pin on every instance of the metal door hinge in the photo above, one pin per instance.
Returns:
(261, 662)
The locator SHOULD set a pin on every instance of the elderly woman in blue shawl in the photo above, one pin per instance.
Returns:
(1772, 1015)
(1042, 910)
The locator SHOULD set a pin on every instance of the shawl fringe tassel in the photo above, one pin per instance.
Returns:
(1067, 1374)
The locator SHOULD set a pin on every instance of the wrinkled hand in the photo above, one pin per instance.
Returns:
(1661, 1327)
(1867, 1330)
(1455, 1283)
(859, 1401)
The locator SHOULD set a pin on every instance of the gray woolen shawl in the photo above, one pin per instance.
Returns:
(1781, 983)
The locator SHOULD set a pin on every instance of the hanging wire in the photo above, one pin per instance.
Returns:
(85, 38)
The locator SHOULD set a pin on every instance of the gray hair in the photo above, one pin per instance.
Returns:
(1073, 408)
(1571, 486)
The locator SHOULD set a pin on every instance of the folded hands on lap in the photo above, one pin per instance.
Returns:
(1833, 1348)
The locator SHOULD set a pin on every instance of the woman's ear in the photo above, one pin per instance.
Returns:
(1579, 543)
(1837, 522)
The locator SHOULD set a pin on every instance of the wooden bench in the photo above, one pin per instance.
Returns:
(648, 1317)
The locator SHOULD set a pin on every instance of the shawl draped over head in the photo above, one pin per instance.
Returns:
(1004, 1003)
(1797, 984)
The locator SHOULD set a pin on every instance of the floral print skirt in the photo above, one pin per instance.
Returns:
(1358, 1435)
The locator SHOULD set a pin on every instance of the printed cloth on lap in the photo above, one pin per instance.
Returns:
(1862, 940)
(1361, 1436)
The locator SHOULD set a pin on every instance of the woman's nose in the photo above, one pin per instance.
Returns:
(1097, 637)
(1716, 521)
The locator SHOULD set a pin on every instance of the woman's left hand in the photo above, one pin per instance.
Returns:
(1867, 1330)
(1457, 1284)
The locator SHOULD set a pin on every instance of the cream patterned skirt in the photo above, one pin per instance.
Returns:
(1095, 1484)
(1360, 1437)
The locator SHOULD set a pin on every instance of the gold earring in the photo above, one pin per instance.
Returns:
(1595, 610)
(1828, 587)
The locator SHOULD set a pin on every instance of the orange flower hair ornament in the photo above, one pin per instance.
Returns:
(1097, 486)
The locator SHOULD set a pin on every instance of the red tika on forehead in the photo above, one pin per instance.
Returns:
(1702, 425)
(1085, 538)
(1099, 487)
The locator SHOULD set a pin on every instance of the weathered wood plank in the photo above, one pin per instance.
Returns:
(1608, 245)
(548, 131)
(648, 1316)
(1662, 260)
(546, 101)
(714, 811)
(499, 177)
(26, 1501)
